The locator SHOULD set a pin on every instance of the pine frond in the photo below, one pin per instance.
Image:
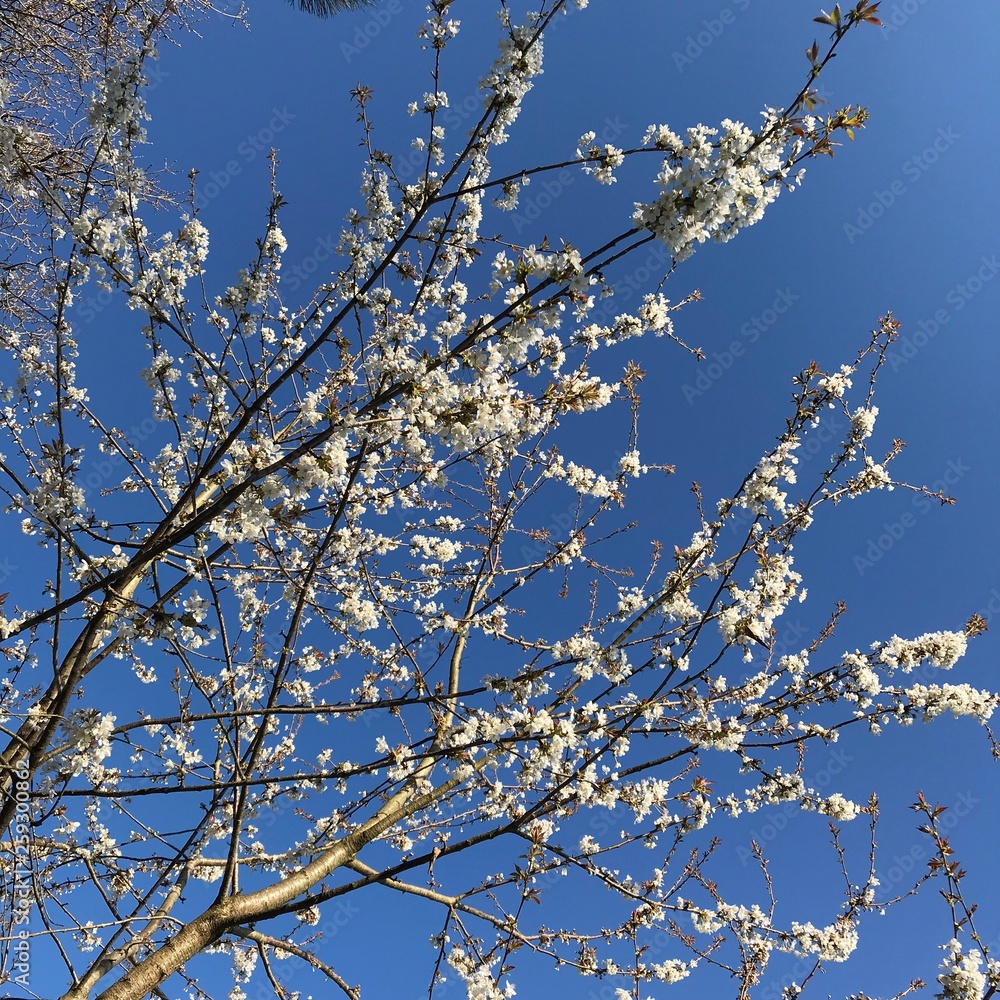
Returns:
(327, 8)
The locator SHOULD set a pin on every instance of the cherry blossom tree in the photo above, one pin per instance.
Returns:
(299, 642)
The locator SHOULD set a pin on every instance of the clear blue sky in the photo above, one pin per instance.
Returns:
(906, 218)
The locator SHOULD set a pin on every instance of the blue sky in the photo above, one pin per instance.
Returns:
(904, 219)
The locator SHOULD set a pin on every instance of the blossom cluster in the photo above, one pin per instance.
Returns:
(710, 187)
